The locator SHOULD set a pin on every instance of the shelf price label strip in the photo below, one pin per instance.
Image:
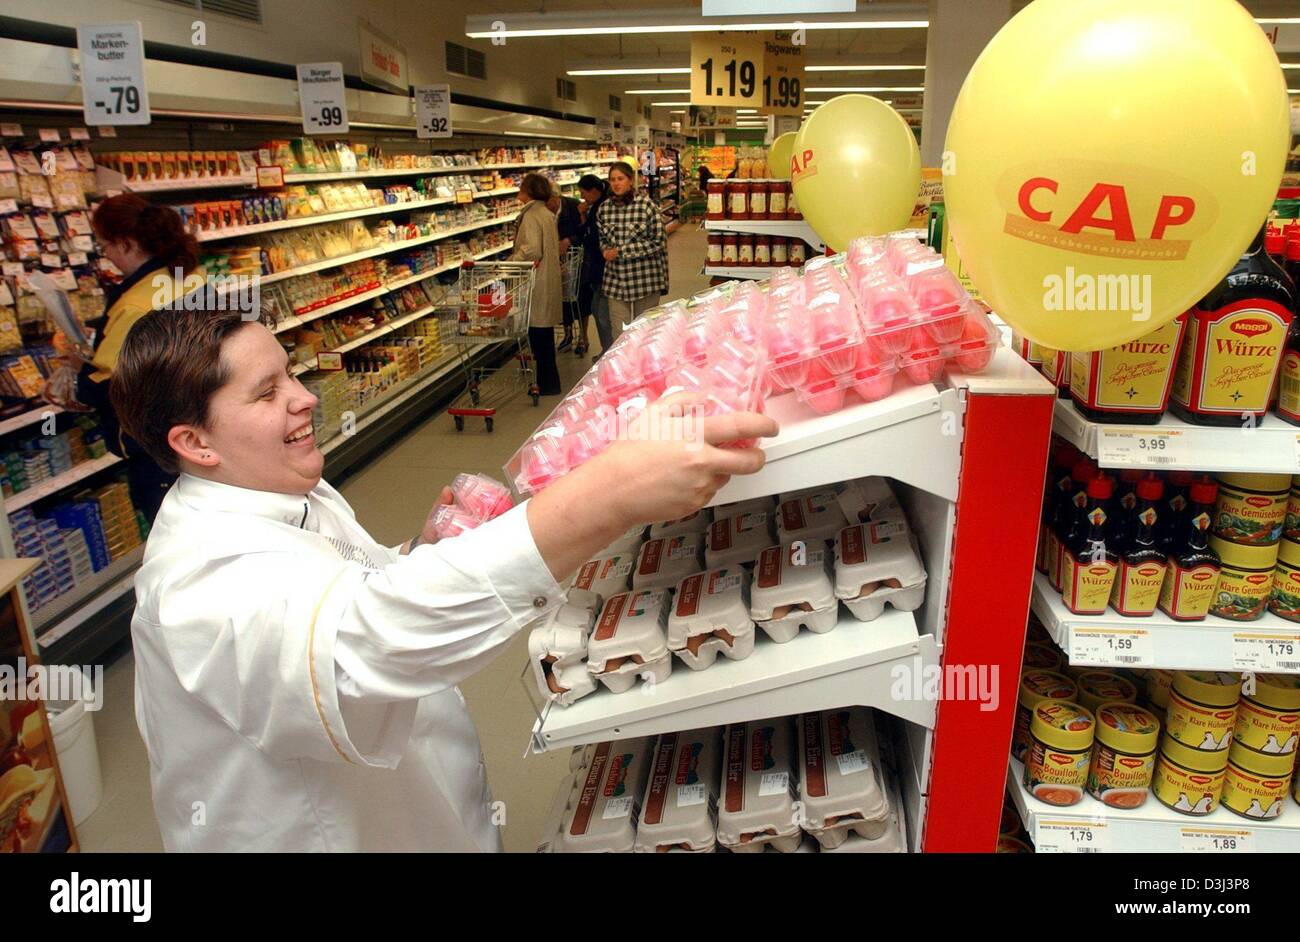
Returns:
(1157, 448)
(1127, 647)
(1265, 652)
(1212, 840)
(1071, 837)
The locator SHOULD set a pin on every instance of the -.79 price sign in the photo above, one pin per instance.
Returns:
(112, 74)
(322, 97)
(727, 69)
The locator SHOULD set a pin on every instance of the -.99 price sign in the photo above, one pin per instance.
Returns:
(727, 69)
(322, 97)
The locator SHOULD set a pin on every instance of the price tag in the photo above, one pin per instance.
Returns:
(1129, 647)
(851, 763)
(322, 97)
(605, 130)
(79, 134)
(618, 808)
(432, 111)
(77, 258)
(1071, 837)
(727, 69)
(783, 77)
(270, 178)
(8, 206)
(1208, 840)
(1265, 652)
(773, 783)
(48, 135)
(107, 131)
(83, 242)
(50, 260)
(329, 362)
(464, 195)
(9, 129)
(1154, 449)
(689, 795)
(13, 269)
(112, 74)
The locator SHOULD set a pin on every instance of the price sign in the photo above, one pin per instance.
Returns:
(78, 258)
(782, 76)
(432, 111)
(1207, 840)
(112, 74)
(1265, 652)
(1129, 647)
(270, 178)
(48, 135)
(322, 98)
(328, 361)
(605, 132)
(8, 206)
(642, 135)
(1071, 837)
(1155, 448)
(727, 69)
(464, 195)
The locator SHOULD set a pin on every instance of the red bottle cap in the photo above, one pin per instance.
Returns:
(1101, 487)
(1181, 478)
(1204, 492)
(1083, 470)
(1292, 247)
(1150, 489)
(1274, 243)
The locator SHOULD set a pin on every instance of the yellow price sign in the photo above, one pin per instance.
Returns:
(727, 69)
(782, 76)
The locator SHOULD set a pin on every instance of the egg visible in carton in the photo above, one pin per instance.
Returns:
(792, 588)
(665, 562)
(841, 782)
(629, 641)
(679, 811)
(710, 616)
(758, 785)
(557, 652)
(604, 804)
(877, 563)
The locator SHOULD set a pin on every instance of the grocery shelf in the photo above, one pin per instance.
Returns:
(1092, 827)
(59, 482)
(430, 171)
(851, 664)
(790, 228)
(299, 368)
(117, 576)
(1272, 446)
(744, 271)
(1269, 644)
(108, 179)
(25, 419)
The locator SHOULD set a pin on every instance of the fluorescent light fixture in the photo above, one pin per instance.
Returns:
(1291, 65)
(617, 71)
(746, 111)
(860, 68)
(807, 102)
(657, 91)
(680, 20)
(667, 104)
(1283, 20)
(683, 111)
(865, 88)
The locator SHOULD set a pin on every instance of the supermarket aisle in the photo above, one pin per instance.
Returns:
(391, 497)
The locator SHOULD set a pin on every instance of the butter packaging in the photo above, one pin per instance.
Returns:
(679, 812)
(876, 563)
(604, 805)
(666, 561)
(738, 539)
(557, 651)
(792, 588)
(710, 616)
(811, 518)
(697, 522)
(758, 788)
(841, 782)
(629, 641)
(606, 575)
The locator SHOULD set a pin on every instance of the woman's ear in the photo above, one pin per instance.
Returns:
(191, 444)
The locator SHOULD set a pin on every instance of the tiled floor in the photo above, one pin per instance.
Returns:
(391, 497)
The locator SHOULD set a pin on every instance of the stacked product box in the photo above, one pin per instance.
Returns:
(333, 394)
(39, 584)
(78, 555)
(83, 515)
(117, 514)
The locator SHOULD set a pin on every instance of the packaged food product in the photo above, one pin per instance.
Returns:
(1285, 598)
(605, 807)
(1043, 656)
(1129, 383)
(758, 788)
(813, 518)
(710, 616)
(1255, 784)
(450, 521)
(792, 587)
(1251, 508)
(697, 522)
(1203, 709)
(1123, 757)
(608, 575)
(1193, 570)
(876, 563)
(1060, 747)
(1268, 715)
(754, 505)
(1187, 779)
(629, 542)
(869, 500)
(841, 783)
(1159, 683)
(738, 539)
(1245, 579)
(481, 496)
(1035, 687)
(629, 640)
(557, 652)
(679, 811)
(664, 562)
(1098, 687)
(1012, 845)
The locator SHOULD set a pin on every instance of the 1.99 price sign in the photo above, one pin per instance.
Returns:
(782, 77)
(727, 69)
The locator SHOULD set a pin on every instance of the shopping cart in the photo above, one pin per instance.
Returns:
(494, 303)
(571, 273)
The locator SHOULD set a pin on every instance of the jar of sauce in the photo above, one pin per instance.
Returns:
(763, 250)
(717, 205)
(758, 190)
(780, 251)
(798, 252)
(715, 248)
(791, 207)
(737, 199)
(745, 250)
(777, 198)
(730, 249)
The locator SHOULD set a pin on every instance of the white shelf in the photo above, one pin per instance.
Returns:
(430, 171)
(187, 183)
(1153, 828)
(300, 368)
(759, 272)
(790, 228)
(1212, 644)
(59, 482)
(1273, 446)
(851, 664)
(45, 620)
(25, 419)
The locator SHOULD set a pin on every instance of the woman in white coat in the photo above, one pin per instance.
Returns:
(295, 679)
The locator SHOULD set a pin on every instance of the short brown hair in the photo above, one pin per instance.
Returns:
(158, 230)
(535, 187)
(167, 372)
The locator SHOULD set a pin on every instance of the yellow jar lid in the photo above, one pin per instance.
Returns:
(1198, 760)
(1039, 685)
(1288, 551)
(1128, 728)
(1098, 687)
(1241, 556)
(1276, 691)
(1212, 688)
(1272, 765)
(1269, 483)
(1041, 656)
(1063, 725)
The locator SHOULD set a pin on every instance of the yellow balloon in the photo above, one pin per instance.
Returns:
(856, 170)
(778, 156)
(1107, 162)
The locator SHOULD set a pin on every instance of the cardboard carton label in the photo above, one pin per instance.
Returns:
(688, 596)
(590, 789)
(610, 616)
(769, 568)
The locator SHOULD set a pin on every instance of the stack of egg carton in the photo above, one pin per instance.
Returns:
(803, 783)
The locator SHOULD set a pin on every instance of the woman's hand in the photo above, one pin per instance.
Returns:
(610, 254)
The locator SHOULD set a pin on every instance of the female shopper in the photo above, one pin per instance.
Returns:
(295, 679)
(568, 221)
(150, 246)
(591, 293)
(537, 240)
(634, 245)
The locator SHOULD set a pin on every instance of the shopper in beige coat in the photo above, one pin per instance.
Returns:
(537, 239)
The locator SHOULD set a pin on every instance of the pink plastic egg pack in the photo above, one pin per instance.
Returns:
(450, 520)
(481, 496)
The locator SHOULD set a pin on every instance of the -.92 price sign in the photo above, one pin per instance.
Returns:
(727, 69)
(112, 74)
(322, 97)
(782, 77)
(432, 111)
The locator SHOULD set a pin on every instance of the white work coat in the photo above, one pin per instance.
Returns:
(296, 681)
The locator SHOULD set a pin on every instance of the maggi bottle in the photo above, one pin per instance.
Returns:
(1142, 564)
(1069, 516)
(1192, 571)
(1090, 564)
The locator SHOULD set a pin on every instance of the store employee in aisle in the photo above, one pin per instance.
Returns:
(296, 680)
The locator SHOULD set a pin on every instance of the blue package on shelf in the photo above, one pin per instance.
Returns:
(84, 516)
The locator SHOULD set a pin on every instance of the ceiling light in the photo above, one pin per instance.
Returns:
(866, 88)
(858, 68)
(675, 20)
(617, 71)
(746, 111)
(1284, 20)
(667, 104)
(678, 112)
(657, 91)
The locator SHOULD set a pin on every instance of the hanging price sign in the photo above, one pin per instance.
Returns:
(432, 111)
(112, 74)
(322, 98)
(727, 69)
(782, 76)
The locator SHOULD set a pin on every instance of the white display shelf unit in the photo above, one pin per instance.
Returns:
(1271, 446)
(111, 582)
(1092, 827)
(790, 228)
(176, 184)
(758, 272)
(78, 472)
(27, 419)
(1269, 644)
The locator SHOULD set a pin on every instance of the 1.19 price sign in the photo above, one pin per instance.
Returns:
(727, 69)
(112, 74)
(322, 98)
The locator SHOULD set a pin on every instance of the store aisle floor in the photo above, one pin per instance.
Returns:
(391, 497)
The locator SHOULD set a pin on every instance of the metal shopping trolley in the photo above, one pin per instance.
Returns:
(495, 299)
(571, 273)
